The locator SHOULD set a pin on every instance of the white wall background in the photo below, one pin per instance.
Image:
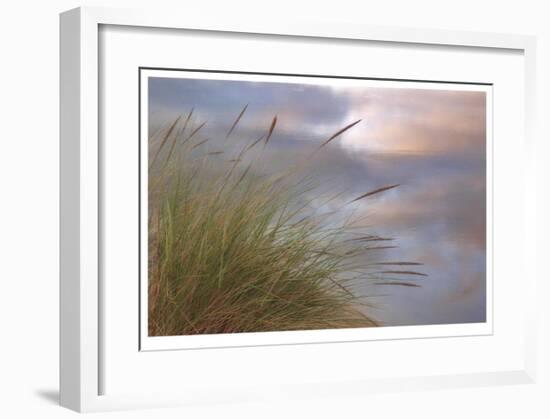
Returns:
(29, 206)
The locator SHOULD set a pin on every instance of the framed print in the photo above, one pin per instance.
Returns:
(319, 208)
(323, 197)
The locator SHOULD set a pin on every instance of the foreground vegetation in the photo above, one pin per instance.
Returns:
(231, 250)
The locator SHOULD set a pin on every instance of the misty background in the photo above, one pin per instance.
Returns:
(431, 142)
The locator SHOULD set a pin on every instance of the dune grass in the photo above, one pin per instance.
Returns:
(231, 250)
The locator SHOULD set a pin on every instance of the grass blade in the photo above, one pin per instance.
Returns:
(236, 121)
(340, 132)
(398, 263)
(402, 284)
(374, 192)
(271, 128)
(164, 140)
(404, 273)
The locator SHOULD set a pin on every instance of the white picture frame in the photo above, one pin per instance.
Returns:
(82, 319)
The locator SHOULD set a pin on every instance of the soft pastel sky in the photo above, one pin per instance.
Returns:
(431, 142)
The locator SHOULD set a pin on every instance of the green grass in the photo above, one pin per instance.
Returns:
(231, 250)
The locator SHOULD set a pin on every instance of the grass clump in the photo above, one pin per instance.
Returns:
(231, 250)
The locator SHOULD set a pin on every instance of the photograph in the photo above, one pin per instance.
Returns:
(298, 202)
